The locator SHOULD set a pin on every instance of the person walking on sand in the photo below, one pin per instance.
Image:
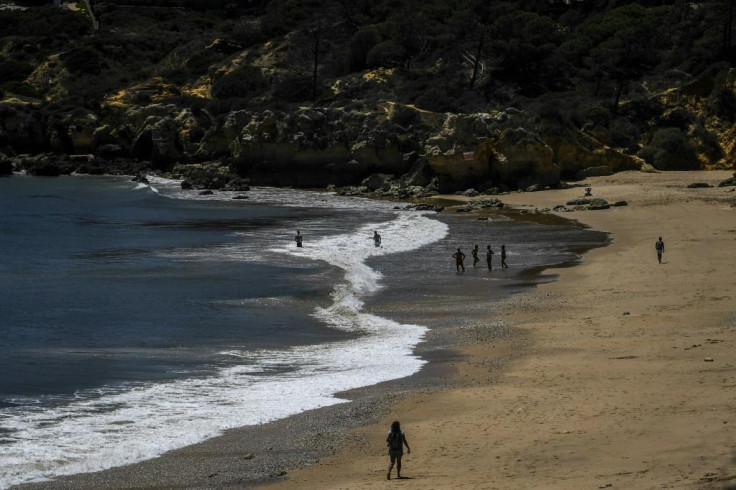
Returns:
(489, 257)
(474, 253)
(298, 238)
(659, 246)
(395, 441)
(376, 239)
(459, 257)
(504, 265)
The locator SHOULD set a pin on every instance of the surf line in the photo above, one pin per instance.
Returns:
(134, 425)
(409, 231)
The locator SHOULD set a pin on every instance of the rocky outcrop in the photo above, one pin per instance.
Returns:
(208, 176)
(314, 147)
(728, 182)
(6, 165)
(72, 131)
(453, 151)
(22, 128)
(359, 150)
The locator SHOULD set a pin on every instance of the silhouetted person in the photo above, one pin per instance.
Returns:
(489, 257)
(588, 191)
(459, 257)
(298, 239)
(474, 253)
(659, 246)
(503, 257)
(376, 239)
(396, 440)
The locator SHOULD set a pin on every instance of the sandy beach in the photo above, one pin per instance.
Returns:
(619, 374)
(629, 380)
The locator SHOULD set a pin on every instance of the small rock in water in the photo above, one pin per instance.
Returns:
(240, 197)
(206, 193)
(708, 359)
(626, 313)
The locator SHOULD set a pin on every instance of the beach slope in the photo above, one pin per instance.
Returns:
(630, 379)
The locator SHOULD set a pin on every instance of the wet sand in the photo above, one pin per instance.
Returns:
(628, 378)
(596, 379)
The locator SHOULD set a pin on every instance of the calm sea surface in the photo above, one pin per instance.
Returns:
(137, 319)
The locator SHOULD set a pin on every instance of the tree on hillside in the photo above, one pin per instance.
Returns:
(618, 46)
(727, 9)
(521, 50)
(311, 43)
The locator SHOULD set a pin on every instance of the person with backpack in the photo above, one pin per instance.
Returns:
(396, 440)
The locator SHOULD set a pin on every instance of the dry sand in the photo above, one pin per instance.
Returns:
(616, 390)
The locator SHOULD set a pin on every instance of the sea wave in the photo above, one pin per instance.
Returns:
(142, 422)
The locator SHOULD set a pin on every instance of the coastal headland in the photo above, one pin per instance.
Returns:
(627, 383)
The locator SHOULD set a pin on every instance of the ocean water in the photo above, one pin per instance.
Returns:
(137, 319)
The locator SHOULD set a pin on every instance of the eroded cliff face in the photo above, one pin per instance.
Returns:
(321, 146)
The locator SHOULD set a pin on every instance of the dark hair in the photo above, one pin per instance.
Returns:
(396, 426)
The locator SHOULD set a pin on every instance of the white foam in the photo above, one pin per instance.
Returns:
(295, 198)
(114, 429)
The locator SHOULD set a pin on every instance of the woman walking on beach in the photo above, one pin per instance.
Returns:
(503, 257)
(489, 258)
(396, 440)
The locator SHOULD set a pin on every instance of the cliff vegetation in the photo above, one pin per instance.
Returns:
(439, 95)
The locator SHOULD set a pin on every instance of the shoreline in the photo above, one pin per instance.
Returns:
(628, 378)
(258, 460)
(425, 414)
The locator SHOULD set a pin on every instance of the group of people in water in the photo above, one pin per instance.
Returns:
(459, 257)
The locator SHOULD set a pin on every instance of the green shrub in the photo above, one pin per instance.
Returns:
(404, 116)
(722, 100)
(670, 149)
(19, 88)
(84, 60)
(435, 99)
(622, 134)
(11, 70)
(247, 35)
(362, 42)
(294, 88)
(386, 54)
(596, 114)
(242, 83)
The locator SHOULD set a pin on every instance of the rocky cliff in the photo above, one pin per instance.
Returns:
(216, 100)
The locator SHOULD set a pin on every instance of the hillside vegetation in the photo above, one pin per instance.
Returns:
(538, 90)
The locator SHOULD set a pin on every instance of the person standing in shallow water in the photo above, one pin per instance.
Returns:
(396, 440)
(376, 239)
(504, 265)
(489, 257)
(659, 246)
(298, 238)
(459, 257)
(474, 253)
